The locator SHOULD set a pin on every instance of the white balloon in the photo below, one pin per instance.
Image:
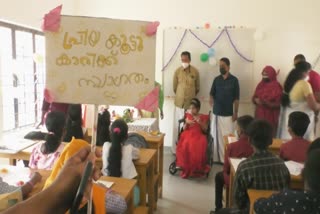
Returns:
(213, 61)
(258, 35)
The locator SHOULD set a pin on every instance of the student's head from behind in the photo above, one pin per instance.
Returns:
(103, 129)
(74, 123)
(299, 58)
(119, 134)
(185, 59)
(195, 106)
(224, 65)
(314, 145)
(311, 171)
(298, 123)
(243, 123)
(305, 67)
(55, 123)
(260, 134)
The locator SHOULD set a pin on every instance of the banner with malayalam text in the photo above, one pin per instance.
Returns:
(100, 61)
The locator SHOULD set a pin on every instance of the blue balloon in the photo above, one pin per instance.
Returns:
(211, 52)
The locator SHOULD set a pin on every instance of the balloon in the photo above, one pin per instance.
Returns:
(151, 28)
(258, 35)
(211, 52)
(213, 61)
(204, 57)
(207, 25)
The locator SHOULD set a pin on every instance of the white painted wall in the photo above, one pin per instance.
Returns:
(31, 12)
(291, 26)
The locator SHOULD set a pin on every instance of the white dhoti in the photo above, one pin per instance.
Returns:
(178, 115)
(220, 126)
(283, 132)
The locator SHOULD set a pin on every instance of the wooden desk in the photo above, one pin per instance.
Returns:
(15, 174)
(274, 147)
(157, 143)
(147, 179)
(296, 182)
(22, 155)
(257, 194)
(124, 187)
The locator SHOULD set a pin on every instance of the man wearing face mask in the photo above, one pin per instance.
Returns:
(224, 98)
(186, 85)
(267, 98)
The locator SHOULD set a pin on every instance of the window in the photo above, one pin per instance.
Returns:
(22, 54)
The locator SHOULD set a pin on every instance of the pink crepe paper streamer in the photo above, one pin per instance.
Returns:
(48, 96)
(51, 21)
(152, 28)
(150, 102)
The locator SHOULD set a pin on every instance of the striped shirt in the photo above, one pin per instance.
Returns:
(262, 171)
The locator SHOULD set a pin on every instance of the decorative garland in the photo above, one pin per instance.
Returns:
(236, 49)
(176, 50)
(207, 45)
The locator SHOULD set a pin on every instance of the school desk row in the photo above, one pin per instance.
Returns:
(149, 168)
(296, 181)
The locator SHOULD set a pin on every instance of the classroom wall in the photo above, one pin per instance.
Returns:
(31, 12)
(290, 27)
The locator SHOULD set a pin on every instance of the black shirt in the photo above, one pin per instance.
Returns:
(290, 202)
(224, 93)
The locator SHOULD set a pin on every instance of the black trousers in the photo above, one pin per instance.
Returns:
(219, 190)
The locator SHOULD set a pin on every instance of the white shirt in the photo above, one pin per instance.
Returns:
(129, 153)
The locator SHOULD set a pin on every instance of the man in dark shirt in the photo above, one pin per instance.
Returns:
(297, 202)
(224, 98)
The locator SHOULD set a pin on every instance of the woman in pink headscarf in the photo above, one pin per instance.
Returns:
(267, 97)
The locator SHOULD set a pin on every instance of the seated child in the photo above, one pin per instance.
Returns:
(103, 132)
(44, 155)
(117, 157)
(240, 149)
(297, 202)
(296, 148)
(10, 195)
(263, 170)
(192, 145)
(74, 123)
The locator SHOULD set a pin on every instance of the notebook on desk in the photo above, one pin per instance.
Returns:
(294, 168)
(15, 146)
(235, 162)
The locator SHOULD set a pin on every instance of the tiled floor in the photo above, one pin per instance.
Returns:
(186, 196)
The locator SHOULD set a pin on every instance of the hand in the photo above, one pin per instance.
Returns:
(70, 175)
(189, 122)
(257, 101)
(35, 178)
(197, 119)
(234, 117)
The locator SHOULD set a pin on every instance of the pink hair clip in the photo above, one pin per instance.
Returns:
(116, 130)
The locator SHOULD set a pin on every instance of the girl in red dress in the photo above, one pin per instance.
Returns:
(192, 145)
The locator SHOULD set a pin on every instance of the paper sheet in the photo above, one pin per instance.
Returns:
(15, 146)
(51, 21)
(151, 101)
(294, 168)
(232, 139)
(105, 183)
(235, 162)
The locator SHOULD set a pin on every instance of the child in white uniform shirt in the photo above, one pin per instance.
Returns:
(117, 157)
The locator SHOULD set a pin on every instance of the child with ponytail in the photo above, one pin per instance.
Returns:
(45, 154)
(117, 157)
